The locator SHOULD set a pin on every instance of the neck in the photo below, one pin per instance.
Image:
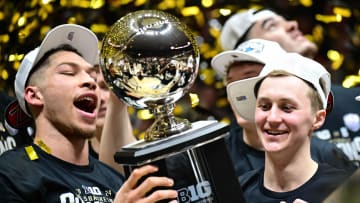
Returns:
(95, 141)
(284, 174)
(252, 139)
(72, 149)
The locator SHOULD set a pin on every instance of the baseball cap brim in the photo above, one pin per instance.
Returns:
(224, 59)
(253, 50)
(79, 37)
(242, 97)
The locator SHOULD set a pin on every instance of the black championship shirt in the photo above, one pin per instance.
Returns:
(29, 174)
(321, 184)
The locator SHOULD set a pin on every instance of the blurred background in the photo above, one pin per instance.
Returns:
(334, 25)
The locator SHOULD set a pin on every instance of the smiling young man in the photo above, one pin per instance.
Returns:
(287, 102)
(245, 147)
(56, 86)
(342, 126)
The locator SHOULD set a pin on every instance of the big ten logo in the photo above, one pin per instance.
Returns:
(91, 190)
(193, 193)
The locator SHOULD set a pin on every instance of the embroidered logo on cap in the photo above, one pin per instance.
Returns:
(251, 47)
(241, 98)
(70, 36)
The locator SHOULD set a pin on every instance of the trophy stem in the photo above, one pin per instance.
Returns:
(165, 124)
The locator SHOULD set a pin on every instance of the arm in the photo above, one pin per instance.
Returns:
(117, 132)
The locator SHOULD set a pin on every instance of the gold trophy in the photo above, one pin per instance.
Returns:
(150, 60)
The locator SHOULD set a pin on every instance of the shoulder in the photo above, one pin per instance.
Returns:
(345, 96)
(323, 145)
(251, 178)
(14, 155)
(16, 163)
(340, 90)
(325, 152)
(251, 185)
(326, 180)
(106, 170)
(331, 173)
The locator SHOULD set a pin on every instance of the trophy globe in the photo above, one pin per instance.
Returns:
(150, 60)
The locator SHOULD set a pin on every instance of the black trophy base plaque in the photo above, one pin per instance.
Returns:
(197, 160)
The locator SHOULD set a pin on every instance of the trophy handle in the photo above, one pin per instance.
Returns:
(165, 124)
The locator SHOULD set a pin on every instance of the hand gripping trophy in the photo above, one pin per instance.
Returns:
(150, 60)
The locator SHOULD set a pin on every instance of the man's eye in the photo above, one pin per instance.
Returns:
(264, 107)
(271, 27)
(67, 72)
(287, 108)
(66, 69)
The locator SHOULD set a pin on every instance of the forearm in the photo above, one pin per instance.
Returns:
(117, 132)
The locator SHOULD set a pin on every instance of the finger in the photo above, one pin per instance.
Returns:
(136, 174)
(152, 182)
(162, 195)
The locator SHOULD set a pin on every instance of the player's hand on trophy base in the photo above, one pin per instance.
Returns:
(132, 192)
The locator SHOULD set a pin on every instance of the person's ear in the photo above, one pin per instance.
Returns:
(319, 119)
(33, 96)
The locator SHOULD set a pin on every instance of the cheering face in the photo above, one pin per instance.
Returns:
(283, 114)
(286, 33)
(68, 94)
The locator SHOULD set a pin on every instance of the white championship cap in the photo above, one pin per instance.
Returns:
(254, 50)
(79, 37)
(238, 24)
(242, 96)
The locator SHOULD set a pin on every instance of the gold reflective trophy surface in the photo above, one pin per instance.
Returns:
(150, 60)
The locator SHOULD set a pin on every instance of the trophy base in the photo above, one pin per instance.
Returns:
(142, 152)
(197, 160)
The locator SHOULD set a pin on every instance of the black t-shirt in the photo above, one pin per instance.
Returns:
(246, 158)
(342, 125)
(321, 185)
(49, 179)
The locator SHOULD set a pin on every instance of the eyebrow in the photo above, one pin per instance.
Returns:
(264, 22)
(78, 66)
